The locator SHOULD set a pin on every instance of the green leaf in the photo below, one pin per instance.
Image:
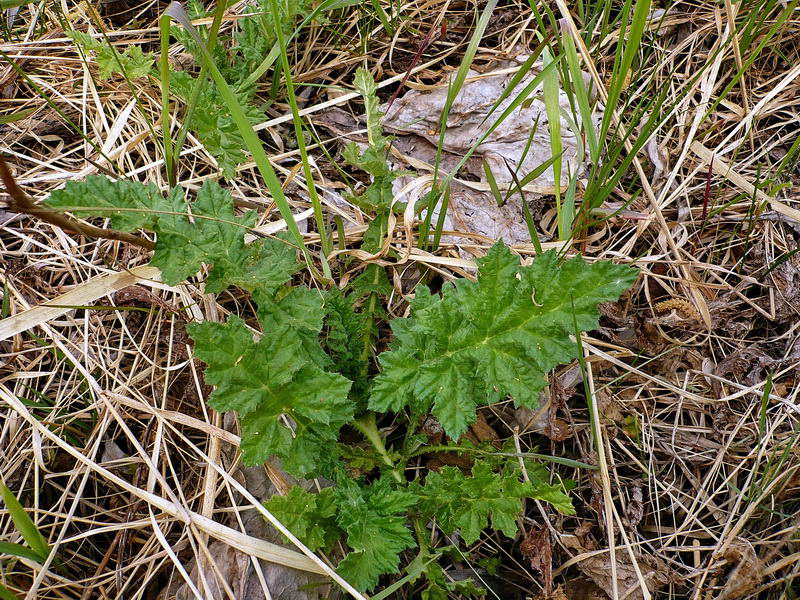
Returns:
(264, 265)
(26, 527)
(378, 196)
(374, 518)
(131, 62)
(266, 380)
(440, 587)
(218, 131)
(343, 339)
(20, 551)
(215, 237)
(6, 594)
(130, 205)
(462, 502)
(365, 85)
(302, 311)
(500, 335)
(362, 459)
(308, 516)
(555, 495)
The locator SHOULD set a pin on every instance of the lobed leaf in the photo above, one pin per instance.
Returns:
(131, 62)
(130, 205)
(494, 337)
(365, 85)
(214, 235)
(374, 518)
(268, 381)
(466, 502)
(308, 516)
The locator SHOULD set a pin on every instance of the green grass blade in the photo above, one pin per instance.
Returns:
(300, 137)
(166, 120)
(568, 208)
(20, 551)
(523, 70)
(581, 92)
(762, 415)
(6, 594)
(487, 171)
(5, 307)
(526, 213)
(632, 39)
(520, 98)
(6, 4)
(24, 524)
(201, 77)
(538, 171)
(553, 110)
(270, 59)
(383, 17)
(16, 116)
(452, 92)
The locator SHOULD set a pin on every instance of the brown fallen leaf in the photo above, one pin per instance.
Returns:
(747, 574)
(655, 572)
(537, 548)
(579, 588)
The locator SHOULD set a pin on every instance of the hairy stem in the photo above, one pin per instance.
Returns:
(366, 424)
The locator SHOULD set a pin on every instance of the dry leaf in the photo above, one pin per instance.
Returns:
(655, 572)
(537, 548)
(521, 142)
(746, 575)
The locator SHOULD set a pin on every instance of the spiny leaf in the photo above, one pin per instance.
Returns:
(466, 502)
(266, 380)
(374, 518)
(132, 61)
(308, 516)
(499, 335)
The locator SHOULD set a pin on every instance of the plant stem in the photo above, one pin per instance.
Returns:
(22, 203)
(366, 424)
(370, 327)
(469, 449)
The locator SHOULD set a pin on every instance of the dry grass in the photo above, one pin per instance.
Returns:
(107, 440)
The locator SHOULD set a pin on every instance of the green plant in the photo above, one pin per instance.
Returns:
(310, 387)
(254, 48)
(35, 548)
(132, 62)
